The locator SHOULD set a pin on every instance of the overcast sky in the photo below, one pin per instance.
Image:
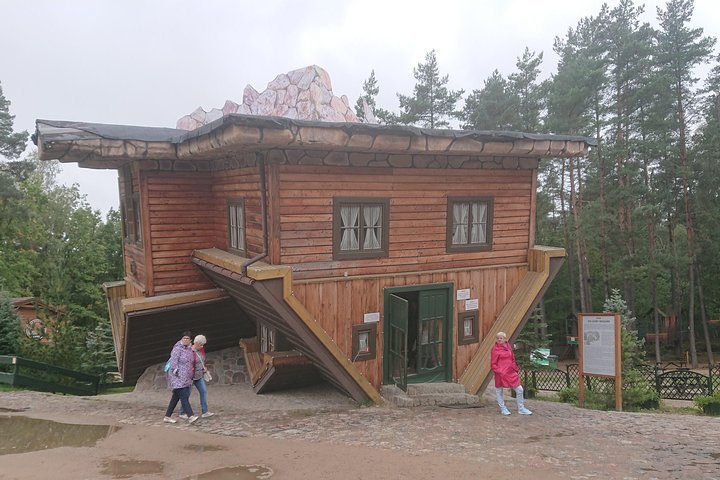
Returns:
(142, 62)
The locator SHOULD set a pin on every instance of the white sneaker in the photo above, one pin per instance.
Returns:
(207, 414)
(184, 416)
(505, 411)
(193, 419)
(524, 411)
(169, 420)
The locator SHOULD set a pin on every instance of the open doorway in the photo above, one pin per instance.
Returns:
(417, 334)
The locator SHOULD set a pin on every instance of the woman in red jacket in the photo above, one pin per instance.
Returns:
(502, 363)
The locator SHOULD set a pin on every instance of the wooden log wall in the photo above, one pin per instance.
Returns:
(187, 211)
(133, 252)
(239, 183)
(338, 304)
(179, 209)
(418, 216)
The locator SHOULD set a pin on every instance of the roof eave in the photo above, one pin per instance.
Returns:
(241, 133)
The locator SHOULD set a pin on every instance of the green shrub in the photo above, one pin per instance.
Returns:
(568, 395)
(709, 404)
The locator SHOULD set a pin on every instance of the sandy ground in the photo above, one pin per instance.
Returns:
(319, 434)
(181, 454)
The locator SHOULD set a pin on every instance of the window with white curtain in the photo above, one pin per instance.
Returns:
(236, 225)
(360, 227)
(469, 223)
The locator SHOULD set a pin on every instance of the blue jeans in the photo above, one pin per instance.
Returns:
(183, 396)
(202, 389)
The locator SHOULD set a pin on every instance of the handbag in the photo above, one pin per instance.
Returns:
(206, 376)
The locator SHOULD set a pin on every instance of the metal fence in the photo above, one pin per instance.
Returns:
(671, 381)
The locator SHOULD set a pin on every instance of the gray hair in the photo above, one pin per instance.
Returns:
(200, 339)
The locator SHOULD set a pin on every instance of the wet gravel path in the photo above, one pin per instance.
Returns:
(572, 443)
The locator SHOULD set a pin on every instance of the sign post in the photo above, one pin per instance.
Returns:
(599, 338)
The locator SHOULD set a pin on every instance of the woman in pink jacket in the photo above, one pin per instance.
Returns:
(502, 363)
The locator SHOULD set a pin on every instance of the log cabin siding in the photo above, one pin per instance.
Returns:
(179, 209)
(240, 183)
(134, 260)
(338, 304)
(418, 217)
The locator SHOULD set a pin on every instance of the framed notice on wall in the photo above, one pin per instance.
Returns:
(600, 351)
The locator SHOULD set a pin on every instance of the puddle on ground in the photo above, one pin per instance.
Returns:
(241, 472)
(129, 468)
(205, 448)
(23, 434)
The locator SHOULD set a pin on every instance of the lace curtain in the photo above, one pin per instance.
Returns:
(472, 216)
(479, 224)
(373, 227)
(349, 228)
(460, 223)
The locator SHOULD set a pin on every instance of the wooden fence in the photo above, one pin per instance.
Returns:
(671, 381)
(21, 372)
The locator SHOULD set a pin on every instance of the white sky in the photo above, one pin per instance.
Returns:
(141, 62)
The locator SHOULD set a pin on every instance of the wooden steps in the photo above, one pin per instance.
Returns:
(253, 358)
(277, 370)
(514, 315)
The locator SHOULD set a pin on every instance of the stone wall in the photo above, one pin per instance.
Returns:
(304, 94)
(226, 366)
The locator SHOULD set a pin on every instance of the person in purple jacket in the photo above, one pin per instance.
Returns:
(180, 378)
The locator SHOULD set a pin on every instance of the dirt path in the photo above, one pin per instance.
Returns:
(320, 435)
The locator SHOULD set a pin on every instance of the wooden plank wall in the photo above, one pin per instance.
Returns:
(180, 210)
(240, 183)
(418, 216)
(188, 211)
(338, 304)
(134, 253)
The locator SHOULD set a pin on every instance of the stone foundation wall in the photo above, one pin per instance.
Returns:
(226, 366)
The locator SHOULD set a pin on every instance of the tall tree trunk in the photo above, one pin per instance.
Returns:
(675, 282)
(601, 199)
(568, 243)
(703, 318)
(652, 246)
(688, 224)
(583, 271)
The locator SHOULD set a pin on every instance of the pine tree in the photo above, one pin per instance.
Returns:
(680, 50)
(11, 144)
(370, 92)
(494, 107)
(431, 104)
(529, 93)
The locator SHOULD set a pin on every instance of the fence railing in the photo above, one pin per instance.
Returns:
(22, 372)
(671, 381)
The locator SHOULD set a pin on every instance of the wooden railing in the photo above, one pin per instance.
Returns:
(21, 372)
(513, 316)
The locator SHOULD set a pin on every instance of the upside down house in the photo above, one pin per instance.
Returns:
(364, 254)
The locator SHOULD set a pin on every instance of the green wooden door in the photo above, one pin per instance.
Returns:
(433, 335)
(398, 327)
